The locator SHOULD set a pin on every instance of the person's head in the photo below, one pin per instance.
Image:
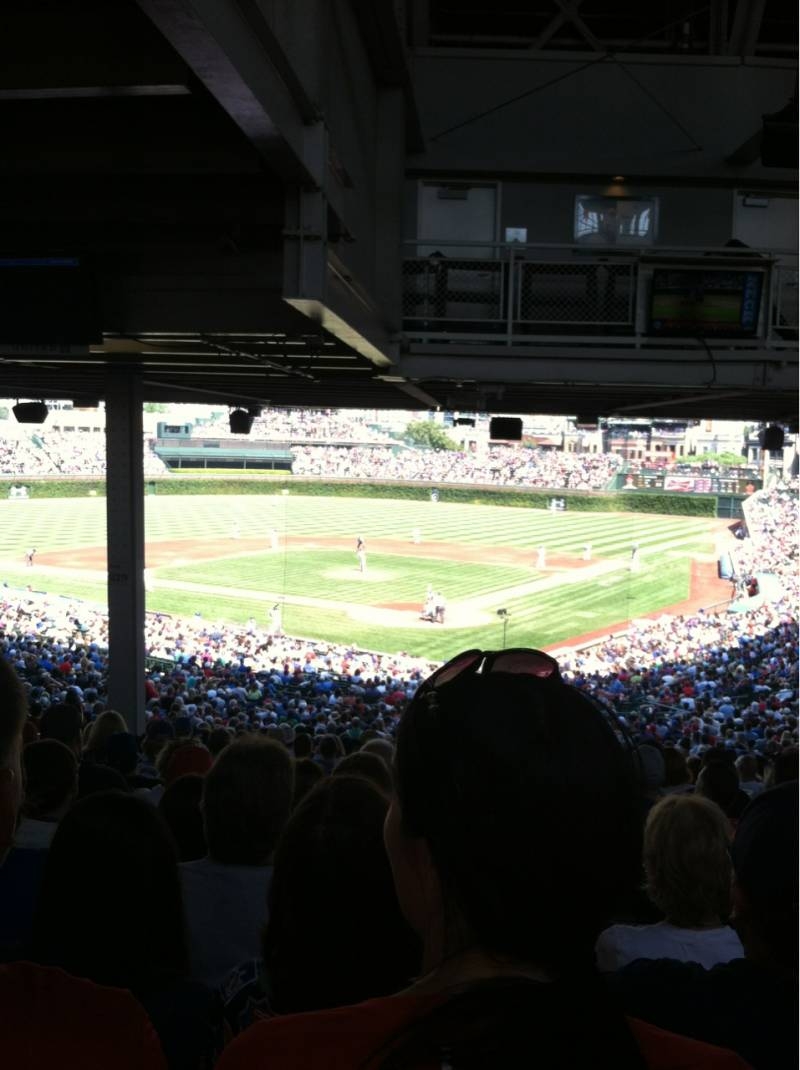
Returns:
(785, 766)
(495, 772)
(180, 808)
(63, 722)
(181, 756)
(686, 860)
(247, 797)
(333, 845)
(719, 782)
(113, 857)
(676, 773)
(109, 723)
(368, 766)
(330, 747)
(653, 769)
(302, 745)
(122, 752)
(765, 886)
(384, 748)
(218, 740)
(694, 763)
(13, 711)
(94, 777)
(747, 768)
(306, 774)
(51, 779)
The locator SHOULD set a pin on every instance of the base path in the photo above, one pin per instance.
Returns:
(177, 552)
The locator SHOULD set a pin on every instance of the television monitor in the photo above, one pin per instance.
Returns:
(705, 302)
(48, 300)
(505, 428)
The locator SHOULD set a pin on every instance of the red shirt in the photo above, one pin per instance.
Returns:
(52, 1021)
(344, 1038)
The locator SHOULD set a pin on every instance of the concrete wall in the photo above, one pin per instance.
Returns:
(687, 216)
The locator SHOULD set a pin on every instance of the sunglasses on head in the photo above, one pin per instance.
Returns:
(518, 661)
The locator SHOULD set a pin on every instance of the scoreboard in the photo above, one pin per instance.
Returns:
(700, 483)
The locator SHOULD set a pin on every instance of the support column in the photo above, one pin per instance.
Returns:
(389, 180)
(125, 538)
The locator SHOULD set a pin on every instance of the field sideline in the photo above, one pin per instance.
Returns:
(212, 555)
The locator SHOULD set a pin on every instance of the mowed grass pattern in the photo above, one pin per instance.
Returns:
(549, 616)
(333, 575)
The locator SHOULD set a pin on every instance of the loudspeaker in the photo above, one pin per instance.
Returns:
(508, 428)
(30, 412)
(771, 438)
(241, 422)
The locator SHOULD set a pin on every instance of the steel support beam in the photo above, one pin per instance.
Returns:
(233, 52)
(746, 27)
(125, 538)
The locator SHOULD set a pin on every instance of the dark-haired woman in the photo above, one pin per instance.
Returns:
(110, 910)
(331, 854)
(513, 832)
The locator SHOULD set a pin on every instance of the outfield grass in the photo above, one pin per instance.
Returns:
(241, 584)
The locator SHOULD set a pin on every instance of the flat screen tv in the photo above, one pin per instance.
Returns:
(705, 302)
(48, 300)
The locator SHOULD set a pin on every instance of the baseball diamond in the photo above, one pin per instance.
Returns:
(481, 558)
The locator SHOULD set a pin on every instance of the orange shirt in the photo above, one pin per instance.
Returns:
(51, 1020)
(343, 1038)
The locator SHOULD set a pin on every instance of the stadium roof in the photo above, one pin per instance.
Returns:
(235, 175)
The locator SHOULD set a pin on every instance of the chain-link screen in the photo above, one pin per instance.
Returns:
(784, 306)
(575, 293)
(437, 287)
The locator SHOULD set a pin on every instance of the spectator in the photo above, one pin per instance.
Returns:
(368, 766)
(488, 762)
(114, 852)
(749, 780)
(51, 784)
(50, 776)
(329, 753)
(218, 740)
(688, 871)
(306, 774)
(107, 724)
(180, 808)
(333, 841)
(785, 766)
(749, 1004)
(719, 782)
(677, 779)
(247, 796)
(95, 778)
(63, 722)
(87, 1025)
(382, 747)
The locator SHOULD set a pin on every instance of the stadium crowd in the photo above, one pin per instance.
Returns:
(316, 856)
(298, 425)
(497, 465)
(58, 453)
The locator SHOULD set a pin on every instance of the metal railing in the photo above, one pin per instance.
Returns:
(515, 291)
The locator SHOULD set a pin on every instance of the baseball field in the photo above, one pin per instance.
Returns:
(231, 558)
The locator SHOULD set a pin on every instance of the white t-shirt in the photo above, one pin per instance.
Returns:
(621, 944)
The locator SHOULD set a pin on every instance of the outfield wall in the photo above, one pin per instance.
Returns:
(639, 501)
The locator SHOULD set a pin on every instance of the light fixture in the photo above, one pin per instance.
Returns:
(30, 412)
(618, 178)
